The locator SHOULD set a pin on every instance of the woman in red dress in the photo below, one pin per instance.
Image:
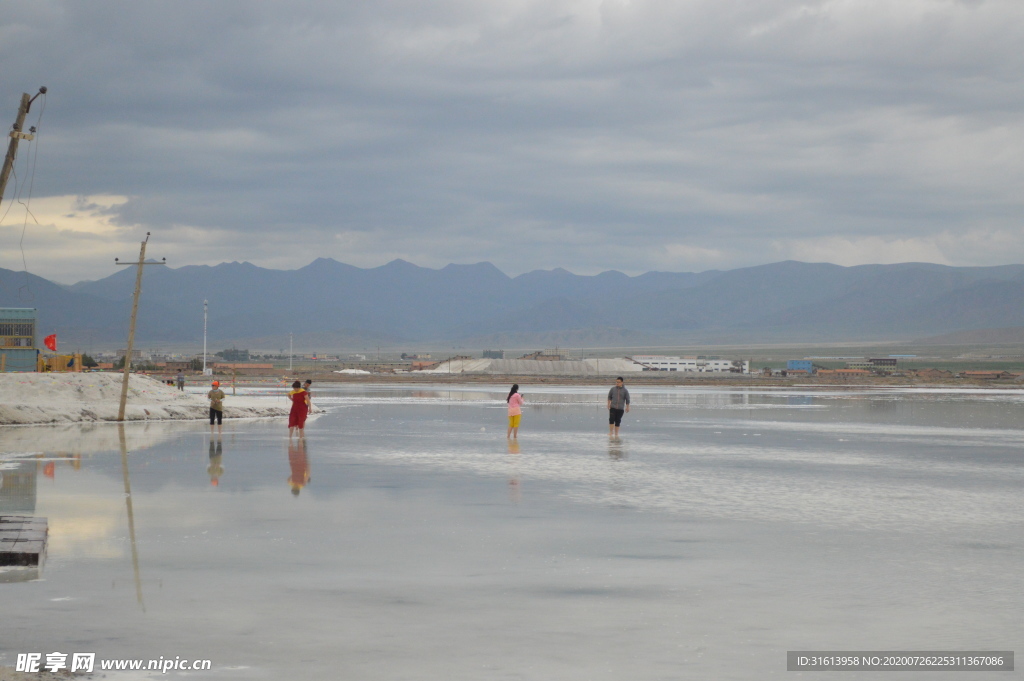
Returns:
(300, 409)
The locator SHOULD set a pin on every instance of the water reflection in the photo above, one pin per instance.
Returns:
(131, 515)
(298, 460)
(515, 487)
(18, 488)
(716, 523)
(72, 441)
(216, 468)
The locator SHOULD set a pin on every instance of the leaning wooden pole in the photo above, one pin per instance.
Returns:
(131, 330)
(17, 133)
(12, 146)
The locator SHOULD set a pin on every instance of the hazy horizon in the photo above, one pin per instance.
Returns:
(510, 275)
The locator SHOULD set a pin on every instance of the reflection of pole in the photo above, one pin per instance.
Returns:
(131, 326)
(131, 514)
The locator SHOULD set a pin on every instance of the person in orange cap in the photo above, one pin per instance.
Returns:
(216, 396)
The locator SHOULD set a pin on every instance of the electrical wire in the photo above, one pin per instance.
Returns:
(28, 211)
(25, 290)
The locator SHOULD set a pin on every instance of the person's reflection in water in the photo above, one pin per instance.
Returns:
(615, 451)
(299, 463)
(216, 469)
(515, 489)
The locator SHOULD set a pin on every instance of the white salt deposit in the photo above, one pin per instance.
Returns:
(533, 367)
(31, 398)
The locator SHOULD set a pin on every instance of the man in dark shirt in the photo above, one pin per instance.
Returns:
(618, 404)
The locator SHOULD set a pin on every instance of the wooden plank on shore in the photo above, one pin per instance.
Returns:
(22, 540)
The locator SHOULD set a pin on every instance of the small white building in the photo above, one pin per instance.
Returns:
(696, 364)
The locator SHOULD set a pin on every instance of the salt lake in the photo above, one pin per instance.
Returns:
(406, 538)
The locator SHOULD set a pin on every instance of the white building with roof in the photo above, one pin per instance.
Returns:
(697, 364)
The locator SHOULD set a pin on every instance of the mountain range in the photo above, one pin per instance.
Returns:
(333, 305)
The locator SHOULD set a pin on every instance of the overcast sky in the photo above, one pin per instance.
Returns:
(639, 135)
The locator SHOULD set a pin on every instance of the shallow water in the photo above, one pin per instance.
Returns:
(724, 528)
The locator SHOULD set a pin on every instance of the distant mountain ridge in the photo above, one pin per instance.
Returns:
(401, 302)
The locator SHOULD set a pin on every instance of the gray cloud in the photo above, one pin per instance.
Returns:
(585, 134)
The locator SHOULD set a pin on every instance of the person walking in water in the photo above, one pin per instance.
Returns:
(181, 380)
(216, 397)
(308, 387)
(300, 410)
(515, 411)
(618, 404)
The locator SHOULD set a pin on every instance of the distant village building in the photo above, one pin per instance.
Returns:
(987, 375)
(698, 364)
(844, 372)
(804, 365)
(879, 364)
(18, 338)
(175, 365)
(933, 374)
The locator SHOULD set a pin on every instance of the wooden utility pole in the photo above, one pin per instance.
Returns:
(131, 326)
(17, 134)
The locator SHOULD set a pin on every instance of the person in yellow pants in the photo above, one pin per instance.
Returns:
(515, 411)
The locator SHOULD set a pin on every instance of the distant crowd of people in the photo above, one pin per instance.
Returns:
(301, 396)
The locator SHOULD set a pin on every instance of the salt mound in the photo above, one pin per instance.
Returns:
(71, 397)
(533, 367)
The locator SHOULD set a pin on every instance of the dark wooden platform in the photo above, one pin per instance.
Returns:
(22, 540)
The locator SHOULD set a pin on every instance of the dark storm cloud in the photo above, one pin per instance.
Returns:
(586, 134)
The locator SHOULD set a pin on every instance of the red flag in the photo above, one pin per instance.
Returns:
(51, 342)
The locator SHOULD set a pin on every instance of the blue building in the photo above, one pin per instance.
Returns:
(800, 365)
(18, 339)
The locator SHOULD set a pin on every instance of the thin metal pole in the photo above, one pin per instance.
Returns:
(204, 337)
(290, 353)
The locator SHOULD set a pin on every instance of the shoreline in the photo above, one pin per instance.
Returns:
(93, 397)
(634, 378)
(62, 398)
